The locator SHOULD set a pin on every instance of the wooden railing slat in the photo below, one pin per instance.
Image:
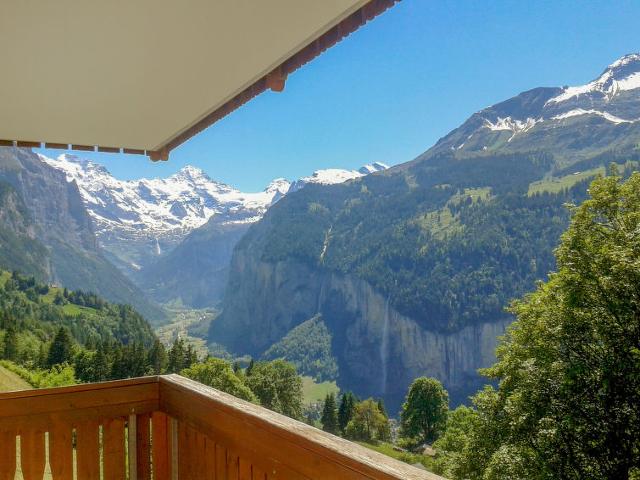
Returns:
(173, 447)
(32, 454)
(87, 451)
(160, 446)
(244, 468)
(143, 442)
(232, 465)
(199, 455)
(113, 449)
(7, 454)
(258, 474)
(221, 462)
(61, 451)
(209, 458)
(178, 430)
(184, 452)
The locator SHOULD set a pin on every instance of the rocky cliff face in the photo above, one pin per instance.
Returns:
(412, 267)
(379, 351)
(19, 246)
(58, 221)
(195, 272)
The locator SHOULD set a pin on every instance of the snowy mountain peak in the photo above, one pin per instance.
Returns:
(332, 176)
(622, 75)
(372, 168)
(625, 60)
(278, 185)
(191, 173)
(173, 206)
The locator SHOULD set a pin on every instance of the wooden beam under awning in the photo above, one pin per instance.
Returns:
(82, 127)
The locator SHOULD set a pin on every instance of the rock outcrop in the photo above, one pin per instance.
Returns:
(379, 351)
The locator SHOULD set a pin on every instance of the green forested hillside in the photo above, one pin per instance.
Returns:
(308, 347)
(33, 312)
(443, 242)
(440, 251)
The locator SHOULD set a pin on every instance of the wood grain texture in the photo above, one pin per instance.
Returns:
(233, 465)
(143, 438)
(200, 452)
(7, 454)
(210, 459)
(258, 474)
(61, 451)
(221, 462)
(132, 448)
(173, 448)
(32, 454)
(113, 440)
(160, 445)
(244, 469)
(87, 451)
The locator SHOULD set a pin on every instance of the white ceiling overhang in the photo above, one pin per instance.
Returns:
(145, 75)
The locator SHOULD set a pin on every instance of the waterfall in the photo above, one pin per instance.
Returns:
(384, 346)
(321, 295)
(158, 250)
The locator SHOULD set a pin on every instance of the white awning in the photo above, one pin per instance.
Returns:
(146, 75)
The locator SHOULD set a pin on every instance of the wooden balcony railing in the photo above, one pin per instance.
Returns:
(169, 427)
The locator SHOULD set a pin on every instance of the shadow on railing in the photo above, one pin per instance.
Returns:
(170, 427)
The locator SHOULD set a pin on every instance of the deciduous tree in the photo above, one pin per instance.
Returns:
(424, 412)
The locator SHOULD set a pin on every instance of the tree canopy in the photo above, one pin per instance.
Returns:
(368, 422)
(278, 387)
(424, 412)
(568, 401)
(217, 373)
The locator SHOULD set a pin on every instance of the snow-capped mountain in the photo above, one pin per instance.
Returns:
(332, 176)
(137, 220)
(610, 102)
(622, 75)
(177, 204)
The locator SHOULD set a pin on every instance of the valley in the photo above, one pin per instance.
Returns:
(368, 278)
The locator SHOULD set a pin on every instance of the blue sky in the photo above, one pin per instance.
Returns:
(390, 90)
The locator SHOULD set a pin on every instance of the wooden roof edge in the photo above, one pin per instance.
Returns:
(274, 81)
(152, 154)
(276, 78)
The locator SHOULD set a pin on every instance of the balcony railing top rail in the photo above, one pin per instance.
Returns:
(170, 427)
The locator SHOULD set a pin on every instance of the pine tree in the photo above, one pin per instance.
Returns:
(190, 356)
(329, 417)
(158, 358)
(42, 356)
(345, 412)
(118, 367)
(250, 367)
(101, 366)
(176, 356)
(382, 408)
(138, 363)
(10, 350)
(61, 348)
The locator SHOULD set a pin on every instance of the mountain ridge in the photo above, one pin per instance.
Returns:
(413, 266)
(49, 215)
(174, 236)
